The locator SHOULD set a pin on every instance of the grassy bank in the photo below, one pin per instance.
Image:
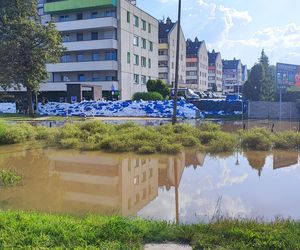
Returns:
(26, 118)
(167, 139)
(20, 230)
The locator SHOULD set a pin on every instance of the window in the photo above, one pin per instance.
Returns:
(143, 61)
(143, 79)
(64, 78)
(136, 78)
(79, 16)
(144, 25)
(94, 36)
(136, 41)
(150, 46)
(79, 36)
(136, 21)
(136, 60)
(149, 27)
(96, 77)
(79, 58)
(96, 57)
(81, 78)
(66, 38)
(64, 18)
(94, 14)
(128, 17)
(128, 57)
(65, 58)
(149, 63)
(111, 56)
(144, 43)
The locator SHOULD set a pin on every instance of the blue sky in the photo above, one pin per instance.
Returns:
(238, 28)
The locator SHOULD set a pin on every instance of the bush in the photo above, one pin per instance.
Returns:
(17, 133)
(8, 178)
(257, 139)
(158, 86)
(172, 148)
(287, 140)
(147, 150)
(45, 133)
(70, 143)
(224, 143)
(147, 96)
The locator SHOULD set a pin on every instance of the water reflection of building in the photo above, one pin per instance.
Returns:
(257, 159)
(283, 159)
(109, 184)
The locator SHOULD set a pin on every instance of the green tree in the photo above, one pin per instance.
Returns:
(158, 86)
(253, 87)
(25, 47)
(268, 90)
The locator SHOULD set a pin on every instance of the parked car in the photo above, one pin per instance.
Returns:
(186, 93)
(201, 94)
(233, 97)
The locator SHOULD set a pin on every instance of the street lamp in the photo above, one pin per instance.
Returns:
(174, 118)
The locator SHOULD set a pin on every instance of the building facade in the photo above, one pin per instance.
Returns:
(196, 65)
(167, 53)
(109, 43)
(232, 76)
(244, 73)
(215, 71)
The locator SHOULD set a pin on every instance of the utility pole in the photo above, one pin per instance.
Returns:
(174, 118)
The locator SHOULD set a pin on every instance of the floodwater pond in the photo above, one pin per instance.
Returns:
(186, 188)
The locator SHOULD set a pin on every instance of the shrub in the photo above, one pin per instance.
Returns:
(206, 137)
(45, 133)
(17, 133)
(209, 127)
(9, 177)
(70, 143)
(158, 86)
(147, 150)
(147, 96)
(172, 148)
(287, 140)
(224, 143)
(70, 131)
(257, 139)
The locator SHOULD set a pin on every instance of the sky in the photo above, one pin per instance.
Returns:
(238, 28)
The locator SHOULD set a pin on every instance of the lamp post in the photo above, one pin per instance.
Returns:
(174, 118)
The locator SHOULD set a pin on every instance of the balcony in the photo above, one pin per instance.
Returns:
(91, 45)
(62, 86)
(83, 66)
(76, 5)
(95, 23)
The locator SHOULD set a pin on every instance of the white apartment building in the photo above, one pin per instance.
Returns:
(196, 65)
(215, 71)
(167, 53)
(109, 43)
(232, 76)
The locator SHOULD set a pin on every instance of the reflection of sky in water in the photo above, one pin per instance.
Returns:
(242, 192)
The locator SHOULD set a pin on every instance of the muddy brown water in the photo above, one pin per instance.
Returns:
(189, 187)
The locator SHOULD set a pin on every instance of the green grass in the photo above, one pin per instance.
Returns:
(165, 139)
(9, 178)
(23, 230)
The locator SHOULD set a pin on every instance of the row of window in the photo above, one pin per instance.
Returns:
(136, 42)
(108, 56)
(137, 79)
(83, 78)
(92, 15)
(136, 60)
(136, 22)
(80, 36)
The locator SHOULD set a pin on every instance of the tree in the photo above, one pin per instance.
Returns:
(253, 87)
(25, 47)
(158, 86)
(268, 90)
